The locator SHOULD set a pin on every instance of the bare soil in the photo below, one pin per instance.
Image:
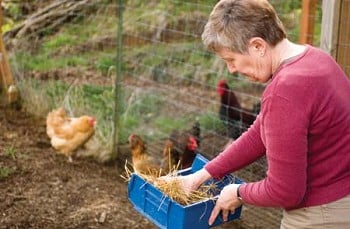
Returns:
(41, 189)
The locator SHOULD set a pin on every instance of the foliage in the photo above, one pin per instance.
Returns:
(11, 151)
(167, 124)
(286, 5)
(91, 99)
(210, 121)
(166, 63)
(70, 47)
(105, 63)
(5, 172)
(90, 43)
(45, 62)
(60, 40)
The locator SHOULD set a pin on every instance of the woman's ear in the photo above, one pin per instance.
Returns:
(257, 46)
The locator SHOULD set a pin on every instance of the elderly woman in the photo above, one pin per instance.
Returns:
(303, 127)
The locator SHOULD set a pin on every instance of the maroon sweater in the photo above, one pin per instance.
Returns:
(304, 131)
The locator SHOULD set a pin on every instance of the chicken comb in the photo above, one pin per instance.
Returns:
(92, 121)
(192, 143)
(131, 136)
(222, 86)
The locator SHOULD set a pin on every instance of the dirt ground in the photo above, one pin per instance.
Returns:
(41, 189)
(44, 190)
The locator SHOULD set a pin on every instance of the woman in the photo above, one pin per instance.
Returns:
(303, 127)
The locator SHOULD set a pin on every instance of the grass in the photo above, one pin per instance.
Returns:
(167, 124)
(183, 61)
(211, 121)
(105, 63)
(60, 40)
(143, 114)
(5, 172)
(70, 47)
(45, 62)
(11, 152)
(41, 97)
(59, 51)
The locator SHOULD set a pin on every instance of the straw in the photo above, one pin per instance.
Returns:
(172, 188)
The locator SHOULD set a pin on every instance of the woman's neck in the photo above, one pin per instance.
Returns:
(285, 50)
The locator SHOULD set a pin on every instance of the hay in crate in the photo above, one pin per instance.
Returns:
(172, 188)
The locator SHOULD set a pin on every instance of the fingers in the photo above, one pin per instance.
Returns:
(214, 214)
(225, 215)
(227, 202)
(216, 211)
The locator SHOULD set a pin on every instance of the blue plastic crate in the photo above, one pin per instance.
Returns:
(167, 213)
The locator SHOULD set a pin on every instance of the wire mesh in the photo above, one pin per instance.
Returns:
(168, 80)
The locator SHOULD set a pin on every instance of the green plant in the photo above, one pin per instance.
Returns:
(59, 41)
(167, 124)
(211, 121)
(5, 172)
(11, 151)
(105, 63)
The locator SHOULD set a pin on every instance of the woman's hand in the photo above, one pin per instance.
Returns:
(227, 202)
(190, 182)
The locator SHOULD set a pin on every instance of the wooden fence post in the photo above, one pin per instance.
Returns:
(307, 22)
(7, 83)
(343, 45)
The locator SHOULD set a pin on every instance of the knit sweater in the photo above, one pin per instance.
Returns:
(304, 131)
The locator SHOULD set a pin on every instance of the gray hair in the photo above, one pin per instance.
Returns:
(232, 23)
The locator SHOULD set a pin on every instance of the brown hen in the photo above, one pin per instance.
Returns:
(67, 134)
(142, 161)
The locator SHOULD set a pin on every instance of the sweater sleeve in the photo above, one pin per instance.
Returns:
(281, 132)
(284, 123)
(243, 151)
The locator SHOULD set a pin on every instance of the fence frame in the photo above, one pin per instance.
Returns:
(335, 31)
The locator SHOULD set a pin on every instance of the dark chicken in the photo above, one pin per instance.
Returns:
(182, 147)
(196, 132)
(236, 118)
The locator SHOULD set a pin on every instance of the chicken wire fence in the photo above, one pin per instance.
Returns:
(65, 55)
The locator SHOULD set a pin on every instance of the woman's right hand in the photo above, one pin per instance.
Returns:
(190, 182)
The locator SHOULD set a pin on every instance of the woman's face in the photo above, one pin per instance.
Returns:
(254, 64)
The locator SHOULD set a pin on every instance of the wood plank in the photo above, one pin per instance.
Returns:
(330, 26)
(307, 21)
(343, 54)
(6, 79)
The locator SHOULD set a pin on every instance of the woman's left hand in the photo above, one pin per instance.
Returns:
(227, 202)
